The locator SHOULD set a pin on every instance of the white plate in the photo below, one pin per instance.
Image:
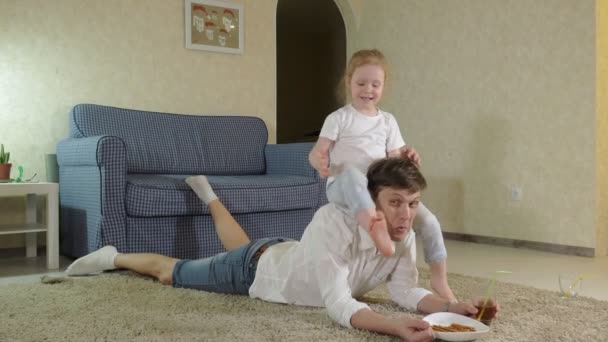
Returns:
(447, 318)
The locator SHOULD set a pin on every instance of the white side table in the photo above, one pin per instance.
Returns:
(31, 227)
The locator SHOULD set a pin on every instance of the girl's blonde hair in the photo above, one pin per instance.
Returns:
(358, 59)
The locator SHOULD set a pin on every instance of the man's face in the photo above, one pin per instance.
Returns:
(399, 207)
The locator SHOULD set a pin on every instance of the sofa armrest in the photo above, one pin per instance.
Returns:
(290, 159)
(92, 187)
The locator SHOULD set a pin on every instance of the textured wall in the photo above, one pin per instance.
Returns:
(494, 94)
(125, 53)
(602, 127)
(121, 53)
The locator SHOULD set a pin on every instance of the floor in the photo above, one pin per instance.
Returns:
(528, 267)
(532, 268)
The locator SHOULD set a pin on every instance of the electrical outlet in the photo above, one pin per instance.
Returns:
(517, 193)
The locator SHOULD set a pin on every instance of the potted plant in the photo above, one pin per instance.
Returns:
(5, 166)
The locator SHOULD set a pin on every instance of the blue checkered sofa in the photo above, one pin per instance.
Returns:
(122, 183)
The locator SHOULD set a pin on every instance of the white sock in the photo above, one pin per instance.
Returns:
(200, 185)
(98, 261)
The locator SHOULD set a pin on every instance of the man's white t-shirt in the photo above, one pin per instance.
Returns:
(335, 262)
(360, 139)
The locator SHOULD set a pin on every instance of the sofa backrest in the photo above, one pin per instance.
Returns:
(165, 143)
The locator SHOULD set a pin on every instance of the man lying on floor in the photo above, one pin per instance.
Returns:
(335, 260)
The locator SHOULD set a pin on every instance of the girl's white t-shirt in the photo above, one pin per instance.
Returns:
(360, 139)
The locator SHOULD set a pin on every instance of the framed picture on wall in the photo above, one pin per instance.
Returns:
(214, 26)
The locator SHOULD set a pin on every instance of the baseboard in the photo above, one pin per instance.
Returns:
(540, 246)
(20, 252)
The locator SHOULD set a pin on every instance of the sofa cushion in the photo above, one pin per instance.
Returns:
(160, 143)
(169, 195)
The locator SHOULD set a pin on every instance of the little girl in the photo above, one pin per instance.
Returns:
(352, 138)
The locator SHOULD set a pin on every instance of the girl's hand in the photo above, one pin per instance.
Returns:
(411, 153)
(320, 161)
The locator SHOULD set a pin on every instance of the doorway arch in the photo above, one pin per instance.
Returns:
(311, 57)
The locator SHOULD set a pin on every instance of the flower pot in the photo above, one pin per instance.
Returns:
(5, 171)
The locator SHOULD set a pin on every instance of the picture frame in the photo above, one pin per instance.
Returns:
(214, 26)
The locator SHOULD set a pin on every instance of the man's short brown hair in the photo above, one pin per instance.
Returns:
(399, 173)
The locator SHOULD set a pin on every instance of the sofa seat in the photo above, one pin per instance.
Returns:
(150, 195)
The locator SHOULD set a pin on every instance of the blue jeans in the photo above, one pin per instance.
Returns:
(228, 272)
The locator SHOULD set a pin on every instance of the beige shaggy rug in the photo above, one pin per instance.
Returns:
(123, 307)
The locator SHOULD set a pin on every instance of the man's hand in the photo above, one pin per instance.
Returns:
(320, 161)
(465, 309)
(414, 330)
(411, 153)
(469, 310)
(409, 329)
(439, 280)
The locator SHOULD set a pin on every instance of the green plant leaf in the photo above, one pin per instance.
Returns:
(4, 157)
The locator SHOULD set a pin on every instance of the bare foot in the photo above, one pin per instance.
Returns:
(378, 230)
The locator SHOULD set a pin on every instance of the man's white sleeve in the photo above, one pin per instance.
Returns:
(403, 282)
(331, 269)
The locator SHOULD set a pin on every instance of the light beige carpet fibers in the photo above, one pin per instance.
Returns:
(122, 307)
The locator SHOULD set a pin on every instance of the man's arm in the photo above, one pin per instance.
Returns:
(439, 280)
(403, 281)
(349, 312)
(409, 329)
(404, 291)
(434, 303)
(328, 241)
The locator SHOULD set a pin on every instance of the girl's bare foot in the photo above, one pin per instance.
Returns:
(377, 228)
